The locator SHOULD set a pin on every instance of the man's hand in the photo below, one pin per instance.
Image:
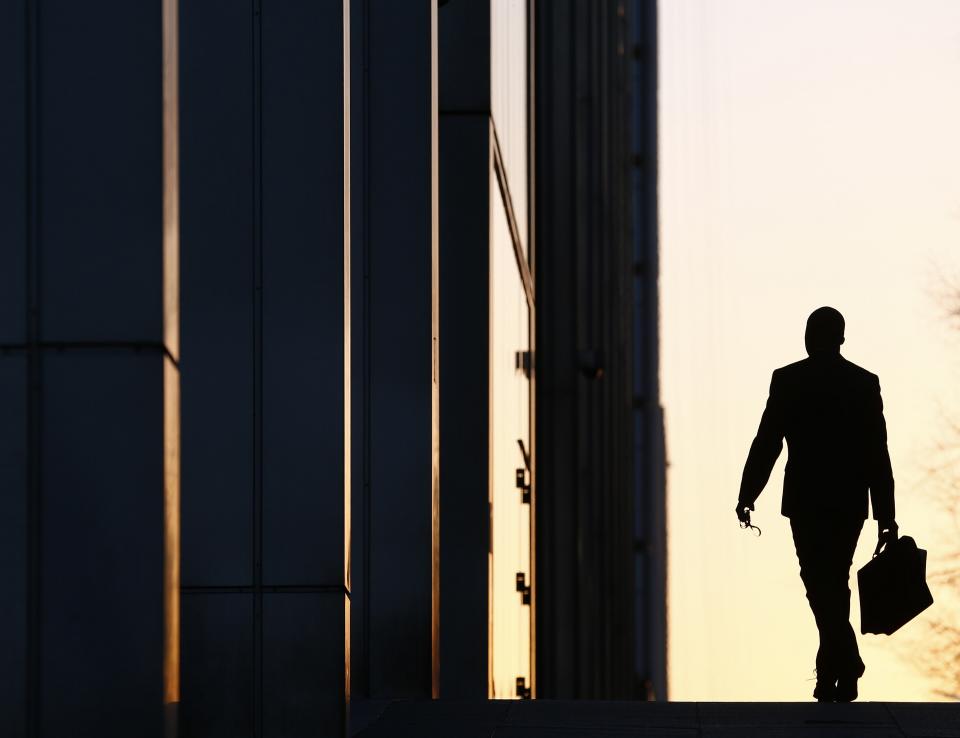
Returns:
(886, 532)
(743, 515)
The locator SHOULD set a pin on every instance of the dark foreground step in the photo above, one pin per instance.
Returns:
(543, 718)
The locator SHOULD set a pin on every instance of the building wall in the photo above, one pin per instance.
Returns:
(464, 59)
(82, 363)
(180, 321)
(265, 349)
(594, 636)
(649, 490)
(486, 334)
(395, 330)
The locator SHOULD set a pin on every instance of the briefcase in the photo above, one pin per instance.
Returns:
(893, 587)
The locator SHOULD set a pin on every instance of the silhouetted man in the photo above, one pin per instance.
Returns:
(831, 414)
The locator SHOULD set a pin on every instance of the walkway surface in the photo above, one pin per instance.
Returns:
(542, 718)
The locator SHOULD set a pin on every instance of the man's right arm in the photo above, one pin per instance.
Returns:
(765, 448)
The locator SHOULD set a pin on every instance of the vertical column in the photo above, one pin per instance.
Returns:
(220, 249)
(464, 59)
(171, 368)
(650, 608)
(486, 303)
(13, 542)
(15, 560)
(266, 368)
(303, 374)
(82, 356)
(557, 381)
(399, 505)
(584, 334)
(98, 358)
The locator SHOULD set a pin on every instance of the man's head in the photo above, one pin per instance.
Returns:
(824, 331)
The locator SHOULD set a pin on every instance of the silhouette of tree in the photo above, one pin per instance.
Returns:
(939, 653)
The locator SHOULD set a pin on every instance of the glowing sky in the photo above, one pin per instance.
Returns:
(809, 155)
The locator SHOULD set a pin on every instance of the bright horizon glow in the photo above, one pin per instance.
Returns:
(808, 156)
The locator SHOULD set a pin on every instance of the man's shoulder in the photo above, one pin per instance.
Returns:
(806, 370)
(861, 374)
(803, 365)
(791, 370)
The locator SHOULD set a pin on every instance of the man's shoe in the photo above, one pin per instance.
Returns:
(825, 691)
(846, 689)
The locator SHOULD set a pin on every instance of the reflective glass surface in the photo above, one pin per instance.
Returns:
(508, 98)
(510, 427)
(510, 611)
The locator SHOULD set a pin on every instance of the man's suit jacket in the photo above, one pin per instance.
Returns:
(831, 414)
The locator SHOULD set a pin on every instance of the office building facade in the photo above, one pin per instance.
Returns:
(327, 359)
(601, 556)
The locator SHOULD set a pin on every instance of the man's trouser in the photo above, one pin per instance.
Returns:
(825, 547)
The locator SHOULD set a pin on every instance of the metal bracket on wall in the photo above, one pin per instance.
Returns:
(523, 486)
(523, 588)
(523, 360)
(523, 691)
(523, 452)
